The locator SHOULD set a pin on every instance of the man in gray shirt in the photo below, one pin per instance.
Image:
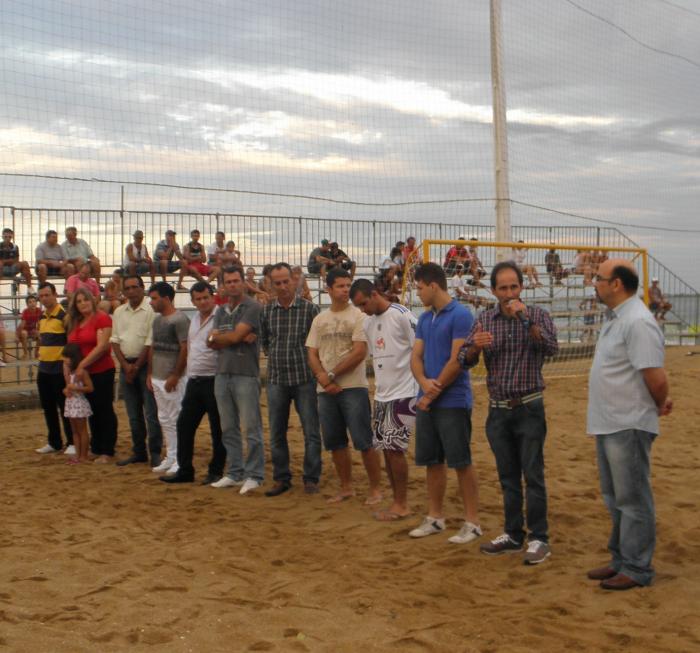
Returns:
(237, 383)
(50, 259)
(627, 392)
(167, 361)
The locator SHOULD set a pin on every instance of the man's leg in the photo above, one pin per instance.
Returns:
(505, 450)
(230, 425)
(218, 451)
(469, 491)
(607, 490)
(133, 402)
(436, 479)
(150, 410)
(247, 393)
(41, 273)
(530, 429)
(49, 405)
(397, 471)
(627, 453)
(279, 398)
(306, 404)
(189, 419)
(169, 404)
(335, 440)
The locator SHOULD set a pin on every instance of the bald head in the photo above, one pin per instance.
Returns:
(607, 268)
(616, 281)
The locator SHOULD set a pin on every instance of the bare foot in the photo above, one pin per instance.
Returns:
(340, 497)
(390, 515)
(374, 499)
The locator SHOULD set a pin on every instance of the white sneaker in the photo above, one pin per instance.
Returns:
(468, 533)
(47, 448)
(4, 364)
(429, 526)
(173, 469)
(249, 485)
(164, 466)
(69, 450)
(225, 481)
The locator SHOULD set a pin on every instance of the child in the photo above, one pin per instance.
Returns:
(27, 328)
(113, 296)
(77, 408)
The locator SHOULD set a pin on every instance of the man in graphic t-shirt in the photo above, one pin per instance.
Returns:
(390, 330)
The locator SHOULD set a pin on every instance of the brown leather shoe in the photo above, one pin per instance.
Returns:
(619, 582)
(601, 573)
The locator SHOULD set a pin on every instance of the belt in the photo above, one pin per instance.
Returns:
(514, 403)
(130, 360)
(201, 378)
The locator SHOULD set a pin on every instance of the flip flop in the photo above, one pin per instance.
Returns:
(373, 501)
(388, 515)
(339, 498)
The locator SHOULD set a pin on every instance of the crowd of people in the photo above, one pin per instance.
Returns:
(173, 370)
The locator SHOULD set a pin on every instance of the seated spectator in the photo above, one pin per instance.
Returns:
(265, 284)
(216, 248)
(589, 306)
(582, 265)
(476, 269)
(597, 257)
(657, 302)
(10, 265)
(252, 287)
(3, 354)
(301, 288)
(388, 285)
(462, 290)
(28, 326)
(411, 254)
(230, 256)
(193, 261)
(78, 252)
(341, 260)
(50, 259)
(552, 262)
(456, 255)
(113, 296)
(392, 263)
(319, 260)
(82, 280)
(166, 251)
(137, 260)
(520, 259)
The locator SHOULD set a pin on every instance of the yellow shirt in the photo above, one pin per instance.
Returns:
(52, 339)
(132, 329)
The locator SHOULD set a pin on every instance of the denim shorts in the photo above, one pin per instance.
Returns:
(347, 411)
(10, 270)
(444, 435)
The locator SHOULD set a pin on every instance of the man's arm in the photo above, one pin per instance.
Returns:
(221, 340)
(180, 366)
(357, 355)
(657, 383)
(429, 386)
(448, 374)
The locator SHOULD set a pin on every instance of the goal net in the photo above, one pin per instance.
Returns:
(558, 278)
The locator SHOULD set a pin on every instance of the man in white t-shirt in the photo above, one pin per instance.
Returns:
(391, 332)
(520, 259)
(337, 348)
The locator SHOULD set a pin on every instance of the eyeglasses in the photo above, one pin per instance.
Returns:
(597, 278)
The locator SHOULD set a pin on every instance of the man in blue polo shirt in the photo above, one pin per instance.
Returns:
(443, 419)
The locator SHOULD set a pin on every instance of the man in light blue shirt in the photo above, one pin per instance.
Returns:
(627, 392)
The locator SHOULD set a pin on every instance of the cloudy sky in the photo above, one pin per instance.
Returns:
(372, 102)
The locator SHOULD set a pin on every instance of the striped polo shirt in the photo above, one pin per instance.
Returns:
(52, 339)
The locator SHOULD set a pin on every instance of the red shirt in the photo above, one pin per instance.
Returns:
(75, 282)
(31, 318)
(86, 336)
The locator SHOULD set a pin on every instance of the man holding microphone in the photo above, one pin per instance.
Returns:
(515, 339)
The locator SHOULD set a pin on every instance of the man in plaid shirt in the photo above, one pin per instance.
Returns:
(515, 339)
(284, 325)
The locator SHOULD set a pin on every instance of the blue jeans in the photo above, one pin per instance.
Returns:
(349, 410)
(625, 483)
(238, 400)
(279, 399)
(516, 437)
(143, 415)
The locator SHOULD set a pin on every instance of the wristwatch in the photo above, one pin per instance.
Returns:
(331, 377)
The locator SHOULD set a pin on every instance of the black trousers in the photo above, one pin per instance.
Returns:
(199, 400)
(103, 422)
(50, 387)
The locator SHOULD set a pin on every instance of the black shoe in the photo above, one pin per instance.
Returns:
(211, 478)
(131, 460)
(177, 478)
(280, 488)
(155, 460)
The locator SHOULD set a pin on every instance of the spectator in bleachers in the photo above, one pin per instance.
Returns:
(392, 264)
(28, 325)
(657, 302)
(583, 265)
(137, 259)
(552, 262)
(166, 251)
(82, 280)
(475, 267)
(252, 287)
(341, 260)
(216, 248)
(461, 288)
(3, 359)
(50, 259)
(301, 288)
(230, 256)
(520, 259)
(78, 252)
(456, 255)
(113, 296)
(10, 265)
(194, 261)
(410, 253)
(319, 260)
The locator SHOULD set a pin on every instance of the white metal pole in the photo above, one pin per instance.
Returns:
(500, 133)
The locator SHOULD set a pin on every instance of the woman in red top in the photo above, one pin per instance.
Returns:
(91, 329)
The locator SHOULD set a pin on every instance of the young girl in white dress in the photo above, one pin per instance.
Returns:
(77, 407)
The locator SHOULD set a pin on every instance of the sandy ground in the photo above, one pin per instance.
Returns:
(96, 558)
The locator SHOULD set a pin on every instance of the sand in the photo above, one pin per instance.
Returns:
(97, 558)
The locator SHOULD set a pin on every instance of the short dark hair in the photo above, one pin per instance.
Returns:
(365, 286)
(282, 265)
(334, 274)
(163, 289)
(505, 265)
(201, 286)
(49, 285)
(134, 276)
(628, 277)
(431, 273)
(220, 233)
(7, 230)
(51, 232)
(195, 231)
(231, 269)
